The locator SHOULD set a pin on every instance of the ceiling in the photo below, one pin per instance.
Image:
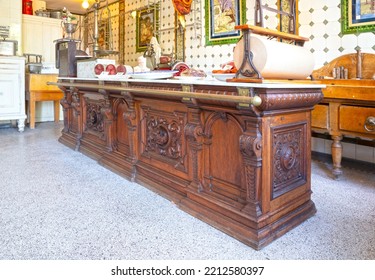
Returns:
(74, 6)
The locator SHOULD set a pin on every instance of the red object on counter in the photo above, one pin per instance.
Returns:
(27, 7)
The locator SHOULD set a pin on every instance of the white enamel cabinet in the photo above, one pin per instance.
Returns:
(12, 90)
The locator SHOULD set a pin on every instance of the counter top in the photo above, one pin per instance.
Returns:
(266, 84)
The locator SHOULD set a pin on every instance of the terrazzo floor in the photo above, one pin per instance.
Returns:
(57, 204)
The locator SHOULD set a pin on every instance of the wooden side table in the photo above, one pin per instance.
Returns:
(37, 90)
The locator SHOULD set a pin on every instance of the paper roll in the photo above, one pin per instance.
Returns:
(276, 60)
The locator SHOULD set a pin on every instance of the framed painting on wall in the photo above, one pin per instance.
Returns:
(357, 16)
(221, 17)
(287, 23)
(146, 26)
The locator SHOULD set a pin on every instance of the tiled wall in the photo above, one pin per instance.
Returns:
(11, 15)
(319, 20)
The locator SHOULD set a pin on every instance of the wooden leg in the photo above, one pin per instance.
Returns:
(336, 150)
(32, 113)
(56, 104)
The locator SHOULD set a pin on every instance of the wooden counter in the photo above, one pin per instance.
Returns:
(239, 163)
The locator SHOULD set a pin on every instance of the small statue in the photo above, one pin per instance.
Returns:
(141, 67)
(153, 54)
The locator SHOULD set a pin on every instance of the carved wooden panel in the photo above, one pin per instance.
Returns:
(224, 170)
(164, 136)
(289, 158)
(121, 141)
(94, 119)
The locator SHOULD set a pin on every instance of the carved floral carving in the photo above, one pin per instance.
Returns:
(164, 137)
(289, 171)
(94, 120)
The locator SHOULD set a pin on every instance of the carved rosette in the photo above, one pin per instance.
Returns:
(94, 120)
(289, 165)
(163, 138)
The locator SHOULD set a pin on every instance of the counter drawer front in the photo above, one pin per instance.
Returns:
(320, 116)
(352, 118)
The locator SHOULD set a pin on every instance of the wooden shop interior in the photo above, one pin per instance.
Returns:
(328, 46)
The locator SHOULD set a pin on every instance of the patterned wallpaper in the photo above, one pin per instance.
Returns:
(319, 20)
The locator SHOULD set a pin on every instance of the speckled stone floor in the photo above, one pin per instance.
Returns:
(58, 204)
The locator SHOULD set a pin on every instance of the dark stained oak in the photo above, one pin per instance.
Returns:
(241, 168)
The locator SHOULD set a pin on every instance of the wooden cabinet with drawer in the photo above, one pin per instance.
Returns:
(348, 109)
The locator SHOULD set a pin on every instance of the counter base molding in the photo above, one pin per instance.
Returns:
(242, 168)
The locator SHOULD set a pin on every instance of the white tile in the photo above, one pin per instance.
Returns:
(333, 28)
(366, 40)
(304, 5)
(317, 145)
(304, 18)
(320, 57)
(349, 41)
(328, 146)
(333, 14)
(333, 3)
(318, 29)
(319, 15)
(332, 54)
(318, 4)
(305, 30)
(333, 42)
(364, 153)
(348, 150)
(319, 43)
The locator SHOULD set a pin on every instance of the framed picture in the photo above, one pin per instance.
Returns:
(103, 39)
(146, 26)
(357, 16)
(285, 22)
(221, 17)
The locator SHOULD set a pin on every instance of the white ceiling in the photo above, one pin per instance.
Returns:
(74, 6)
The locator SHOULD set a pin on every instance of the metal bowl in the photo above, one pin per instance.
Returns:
(55, 14)
(34, 68)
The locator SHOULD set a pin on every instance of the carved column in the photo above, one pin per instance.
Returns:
(131, 119)
(193, 134)
(107, 113)
(76, 114)
(251, 150)
(66, 105)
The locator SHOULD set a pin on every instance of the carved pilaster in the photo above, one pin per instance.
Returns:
(193, 133)
(131, 119)
(65, 106)
(106, 112)
(251, 150)
(76, 114)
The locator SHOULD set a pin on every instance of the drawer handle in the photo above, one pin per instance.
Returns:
(370, 124)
